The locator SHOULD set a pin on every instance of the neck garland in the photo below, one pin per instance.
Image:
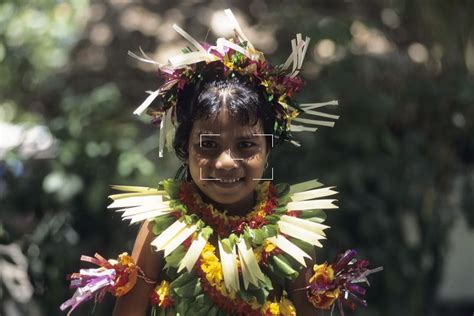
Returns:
(234, 274)
(222, 223)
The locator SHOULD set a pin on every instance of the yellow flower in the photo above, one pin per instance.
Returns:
(323, 272)
(163, 290)
(274, 308)
(208, 252)
(271, 308)
(287, 308)
(213, 272)
(211, 265)
(284, 307)
(126, 260)
(268, 246)
(323, 275)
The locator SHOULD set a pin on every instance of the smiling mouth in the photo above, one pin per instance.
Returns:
(227, 180)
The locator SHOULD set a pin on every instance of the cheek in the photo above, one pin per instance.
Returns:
(197, 162)
(256, 164)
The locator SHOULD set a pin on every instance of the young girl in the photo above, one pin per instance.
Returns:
(222, 239)
(223, 145)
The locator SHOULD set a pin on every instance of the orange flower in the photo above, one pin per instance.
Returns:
(323, 294)
(126, 274)
(284, 308)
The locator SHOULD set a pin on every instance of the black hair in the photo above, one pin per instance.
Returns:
(205, 99)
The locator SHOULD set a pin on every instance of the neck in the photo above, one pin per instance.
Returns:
(240, 208)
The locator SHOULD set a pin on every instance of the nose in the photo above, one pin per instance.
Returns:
(225, 161)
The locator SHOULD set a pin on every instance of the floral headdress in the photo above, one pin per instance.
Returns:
(235, 57)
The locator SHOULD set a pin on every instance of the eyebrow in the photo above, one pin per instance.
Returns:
(207, 133)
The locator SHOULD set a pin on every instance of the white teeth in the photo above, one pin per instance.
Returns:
(229, 180)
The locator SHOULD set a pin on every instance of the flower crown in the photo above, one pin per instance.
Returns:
(235, 57)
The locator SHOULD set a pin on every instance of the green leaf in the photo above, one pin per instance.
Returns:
(176, 206)
(182, 307)
(276, 274)
(189, 290)
(233, 238)
(200, 224)
(270, 230)
(200, 299)
(260, 293)
(226, 245)
(245, 295)
(317, 216)
(284, 200)
(284, 267)
(272, 219)
(183, 279)
(248, 233)
(190, 219)
(267, 283)
(206, 232)
(214, 310)
(202, 304)
(161, 223)
(282, 189)
(173, 260)
(280, 210)
(258, 236)
(171, 187)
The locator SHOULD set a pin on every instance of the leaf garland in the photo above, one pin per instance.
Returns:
(206, 282)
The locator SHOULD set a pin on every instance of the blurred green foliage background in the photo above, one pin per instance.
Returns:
(401, 155)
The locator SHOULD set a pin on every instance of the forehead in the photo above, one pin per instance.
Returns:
(225, 124)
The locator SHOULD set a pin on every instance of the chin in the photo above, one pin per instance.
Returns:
(226, 195)
(225, 199)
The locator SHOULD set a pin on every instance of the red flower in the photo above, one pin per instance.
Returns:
(294, 213)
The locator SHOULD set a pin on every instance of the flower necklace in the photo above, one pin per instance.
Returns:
(209, 268)
(276, 237)
(225, 224)
(210, 271)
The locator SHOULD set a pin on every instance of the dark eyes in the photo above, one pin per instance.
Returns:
(245, 145)
(212, 144)
(208, 144)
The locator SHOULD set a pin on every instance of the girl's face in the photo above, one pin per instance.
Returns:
(226, 160)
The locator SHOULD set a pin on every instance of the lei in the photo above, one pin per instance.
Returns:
(257, 230)
(271, 241)
(224, 224)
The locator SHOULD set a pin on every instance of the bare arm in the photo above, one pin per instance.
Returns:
(135, 302)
